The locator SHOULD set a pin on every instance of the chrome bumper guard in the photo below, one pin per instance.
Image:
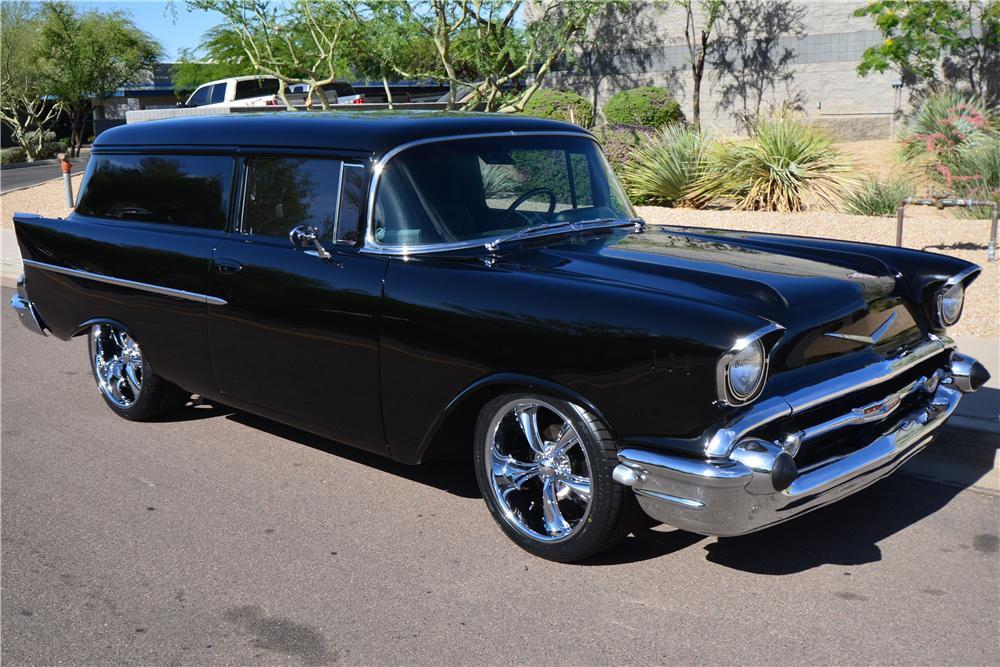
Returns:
(26, 311)
(756, 483)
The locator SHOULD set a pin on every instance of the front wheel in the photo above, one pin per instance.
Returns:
(125, 379)
(544, 468)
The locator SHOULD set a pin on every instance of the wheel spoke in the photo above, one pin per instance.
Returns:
(577, 484)
(555, 524)
(515, 472)
(527, 417)
(132, 378)
(565, 440)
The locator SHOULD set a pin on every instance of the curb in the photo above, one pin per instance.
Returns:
(23, 165)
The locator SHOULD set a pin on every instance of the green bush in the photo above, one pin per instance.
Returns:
(973, 171)
(941, 123)
(620, 144)
(12, 155)
(665, 168)
(560, 105)
(878, 197)
(645, 107)
(782, 165)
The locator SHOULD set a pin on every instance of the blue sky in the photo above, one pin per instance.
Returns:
(174, 30)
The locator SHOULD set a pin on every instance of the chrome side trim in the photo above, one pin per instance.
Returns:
(721, 443)
(133, 284)
(370, 245)
(875, 337)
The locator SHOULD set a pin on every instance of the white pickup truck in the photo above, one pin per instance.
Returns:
(262, 91)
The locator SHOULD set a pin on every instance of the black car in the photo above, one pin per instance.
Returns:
(438, 285)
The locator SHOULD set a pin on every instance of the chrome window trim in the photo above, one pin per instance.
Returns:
(122, 282)
(370, 245)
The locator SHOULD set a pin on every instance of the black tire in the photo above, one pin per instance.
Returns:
(612, 511)
(157, 397)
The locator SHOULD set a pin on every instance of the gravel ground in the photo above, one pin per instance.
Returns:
(926, 229)
(46, 199)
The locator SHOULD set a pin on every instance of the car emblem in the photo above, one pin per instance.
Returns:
(876, 336)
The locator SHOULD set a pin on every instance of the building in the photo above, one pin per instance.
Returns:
(769, 55)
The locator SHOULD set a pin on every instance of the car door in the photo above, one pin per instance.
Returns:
(298, 337)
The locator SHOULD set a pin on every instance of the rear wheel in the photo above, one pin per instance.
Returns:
(544, 468)
(125, 379)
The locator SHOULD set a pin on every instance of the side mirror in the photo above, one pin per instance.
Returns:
(305, 236)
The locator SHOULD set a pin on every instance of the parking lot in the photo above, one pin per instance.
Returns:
(219, 537)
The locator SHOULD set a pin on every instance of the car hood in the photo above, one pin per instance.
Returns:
(808, 291)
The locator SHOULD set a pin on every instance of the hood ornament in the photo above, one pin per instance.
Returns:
(875, 337)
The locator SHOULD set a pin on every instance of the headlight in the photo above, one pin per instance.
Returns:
(746, 371)
(950, 301)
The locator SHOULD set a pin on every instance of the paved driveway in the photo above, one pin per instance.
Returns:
(217, 537)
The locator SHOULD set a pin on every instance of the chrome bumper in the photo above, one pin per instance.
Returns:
(756, 484)
(26, 311)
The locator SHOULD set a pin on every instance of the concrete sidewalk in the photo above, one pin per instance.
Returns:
(966, 452)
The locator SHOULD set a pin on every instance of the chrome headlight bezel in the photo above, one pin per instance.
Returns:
(757, 344)
(949, 314)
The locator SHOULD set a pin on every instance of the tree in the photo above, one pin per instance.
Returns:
(298, 42)
(219, 56)
(919, 35)
(697, 40)
(23, 106)
(87, 56)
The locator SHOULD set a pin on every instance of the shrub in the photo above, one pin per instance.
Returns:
(645, 107)
(50, 150)
(942, 122)
(666, 167)
(878, 197)
(620, 143)
(499, 181)
(777, 169)
(560, 105)
(12, 155)
(973, 171)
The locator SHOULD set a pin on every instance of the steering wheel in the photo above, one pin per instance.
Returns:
(531, 193)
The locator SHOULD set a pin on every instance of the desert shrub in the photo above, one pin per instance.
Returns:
(973, 171)
(620, 144)
(644, 107)
(878, 196)
(666, 166)
(50, 150)
(782, 165)
(12, 155)
(941, 123)
(560, 105)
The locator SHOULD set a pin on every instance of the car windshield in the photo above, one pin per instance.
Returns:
(480, 189)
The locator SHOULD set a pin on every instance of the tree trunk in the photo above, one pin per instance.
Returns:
(385, 86)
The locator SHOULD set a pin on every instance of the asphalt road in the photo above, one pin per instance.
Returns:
(221, 538)
(22, 177)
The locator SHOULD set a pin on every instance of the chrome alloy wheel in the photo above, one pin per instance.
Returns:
(539, 470)
(117, 364)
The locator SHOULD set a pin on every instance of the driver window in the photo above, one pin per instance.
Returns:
(283, 193)
(537, 180)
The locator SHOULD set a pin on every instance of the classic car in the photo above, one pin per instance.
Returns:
(438, 285)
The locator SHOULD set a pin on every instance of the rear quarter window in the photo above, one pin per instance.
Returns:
(186, 190)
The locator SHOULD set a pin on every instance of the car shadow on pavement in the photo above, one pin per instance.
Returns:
(845, 533)
(196, 408)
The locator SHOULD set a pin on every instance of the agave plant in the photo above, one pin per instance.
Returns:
(666, 166)
(878, 197)
(782, 165)
(499, 181)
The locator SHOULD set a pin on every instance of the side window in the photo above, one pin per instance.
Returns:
(200, 97)
(352, 205)
(188, 190)
(218, 93)
(256, 88)
(283, 193)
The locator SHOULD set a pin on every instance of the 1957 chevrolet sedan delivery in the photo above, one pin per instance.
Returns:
(438, 285)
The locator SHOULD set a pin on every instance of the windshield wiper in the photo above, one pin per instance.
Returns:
(539, 230)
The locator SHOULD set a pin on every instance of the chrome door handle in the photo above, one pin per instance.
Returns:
(228, 266)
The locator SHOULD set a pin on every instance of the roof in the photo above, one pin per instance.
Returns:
(367, 131)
